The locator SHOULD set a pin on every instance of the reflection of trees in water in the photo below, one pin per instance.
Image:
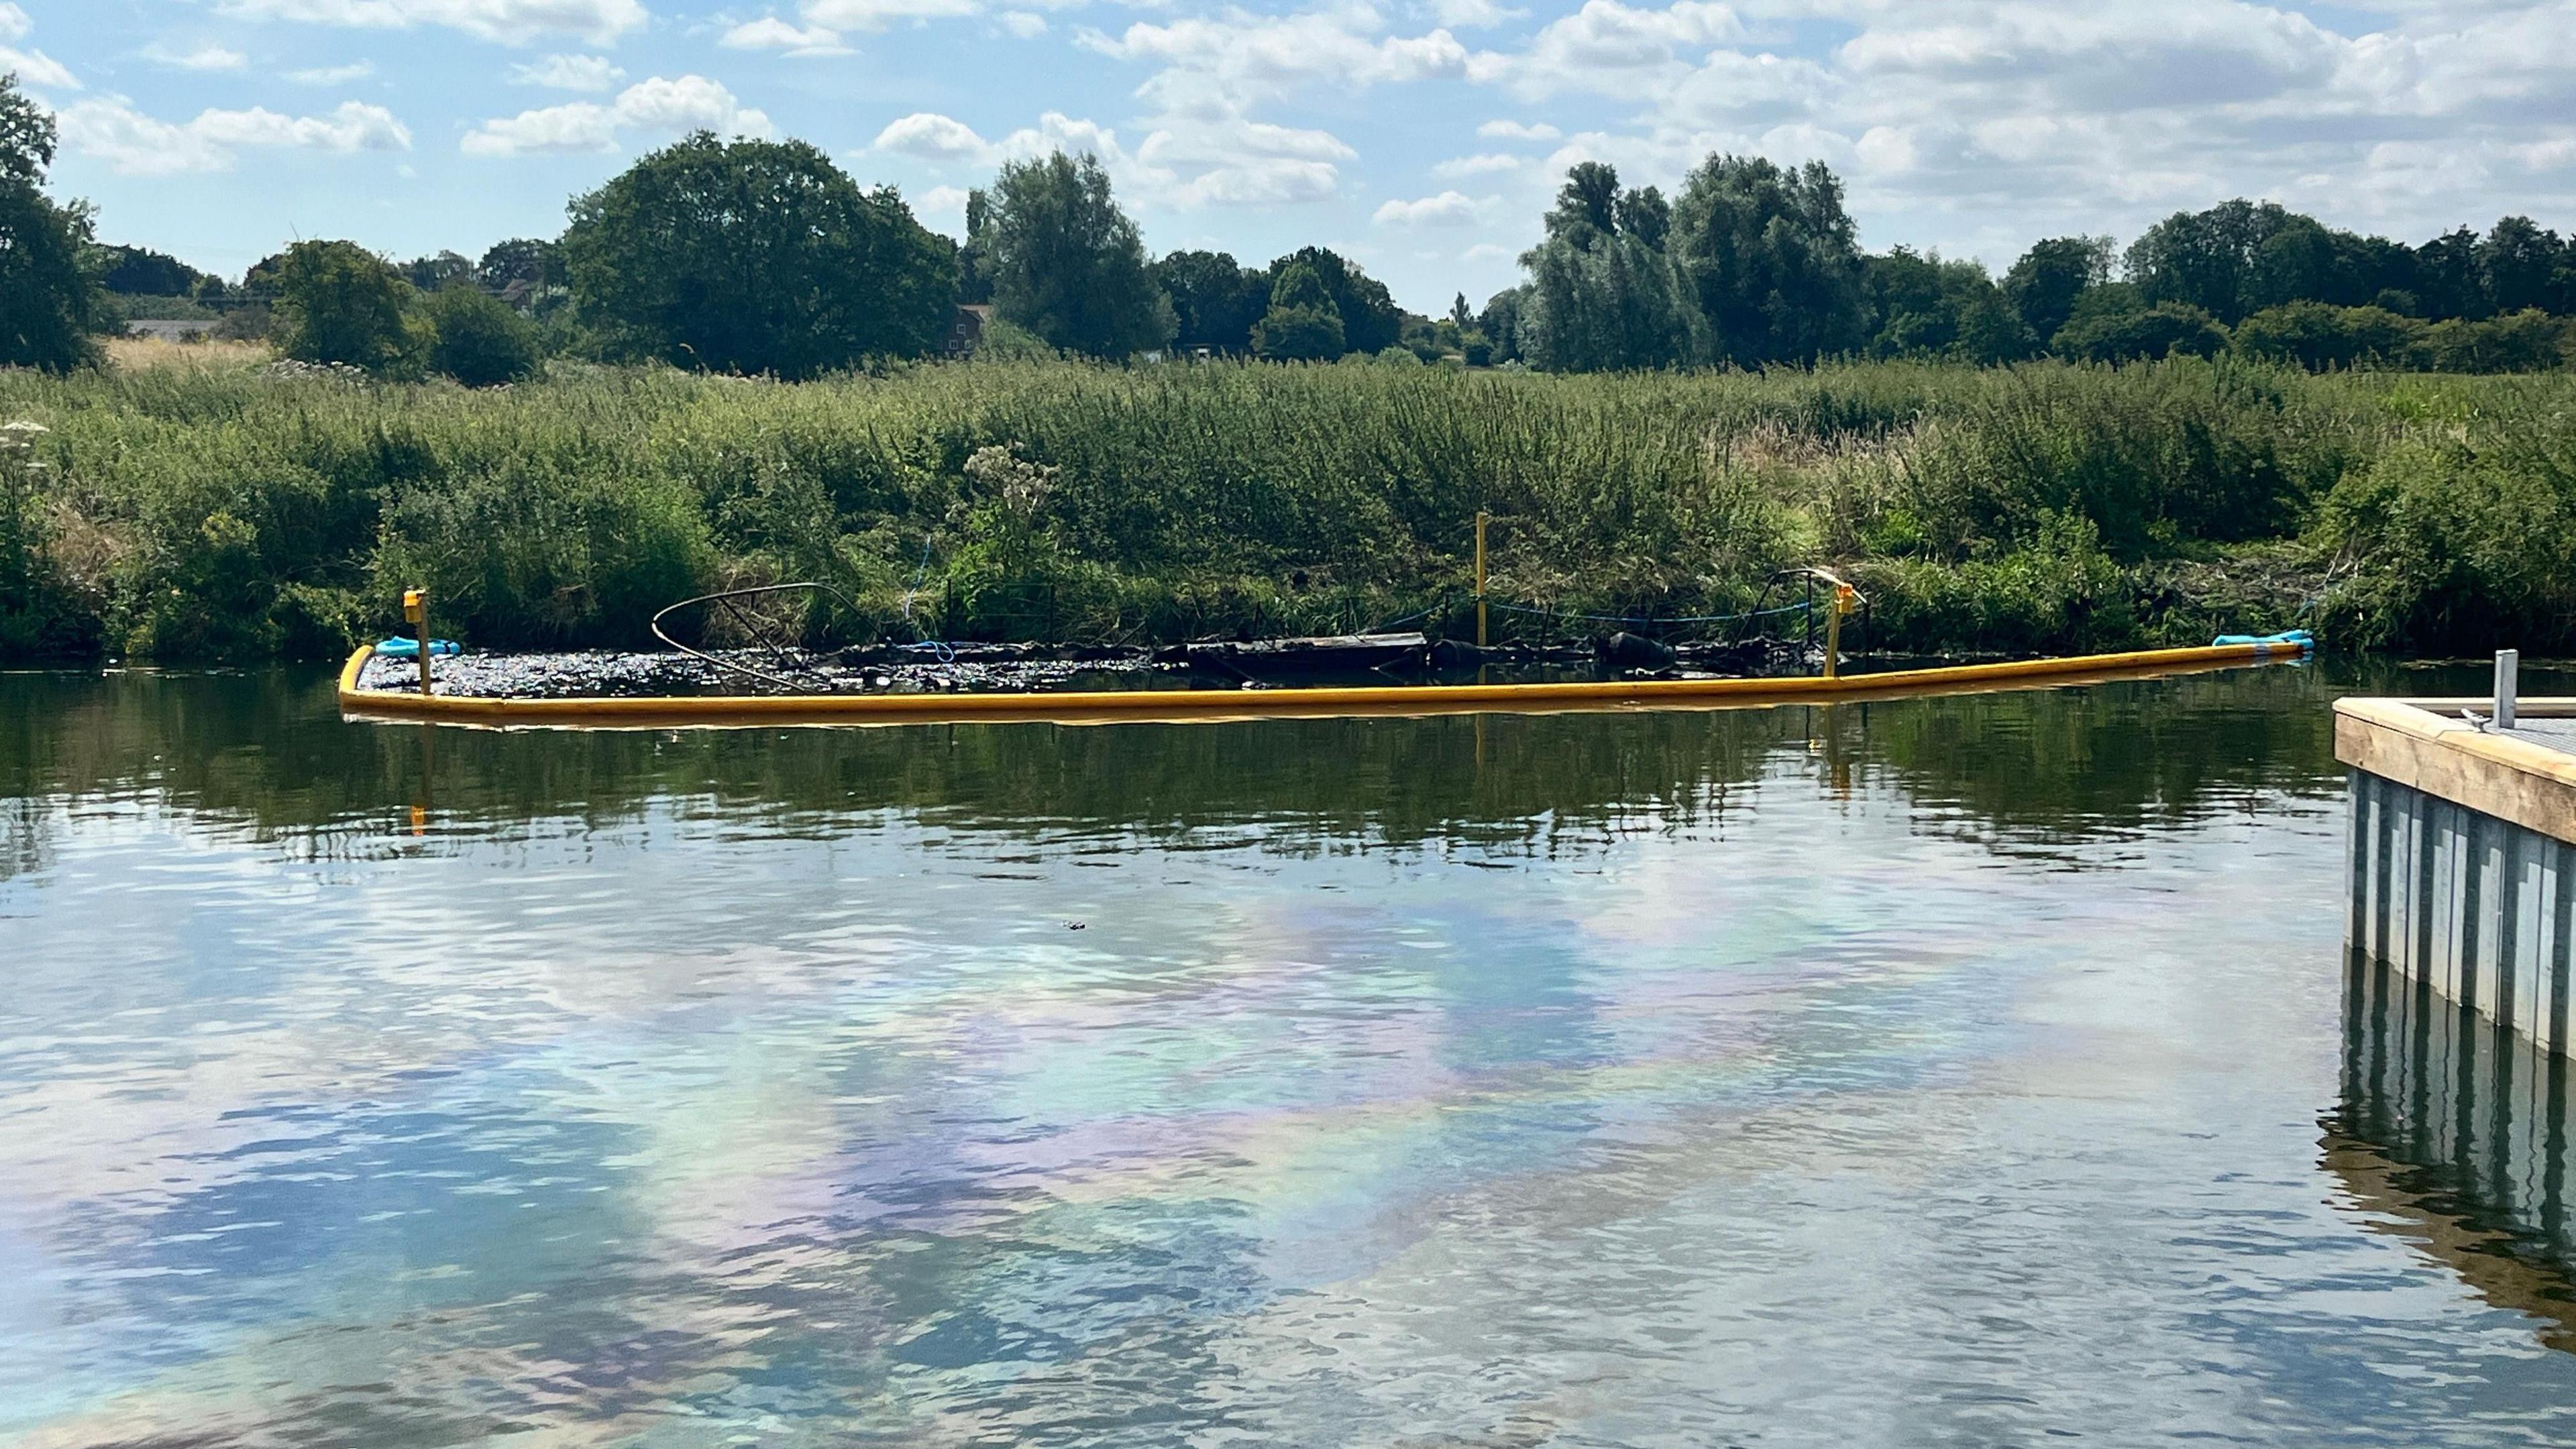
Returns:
(265, 753)
(2456, 1131)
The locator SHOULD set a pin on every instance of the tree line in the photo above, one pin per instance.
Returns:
(763, 257)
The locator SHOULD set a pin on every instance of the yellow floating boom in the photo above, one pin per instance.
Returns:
(1174, 706)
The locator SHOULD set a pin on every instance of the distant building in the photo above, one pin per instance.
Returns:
(168, 331)
(966, 330)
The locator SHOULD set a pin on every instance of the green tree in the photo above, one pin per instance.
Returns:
(478, 339)
(756, 257)
(1067, 264)
(49, 301)
(2044, 284)
(1214, 300)
(141, 272)
(2518, 265)
(1770, 257)
(537, 264)
(1934, 308)
(1371, 322)
(2318, 336)
(339, 302)
(2114, 323)
(1303, 323)
(2526, 341)
(1602, 294)
(2206, 259)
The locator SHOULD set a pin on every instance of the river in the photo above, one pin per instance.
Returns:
(1963, 1071)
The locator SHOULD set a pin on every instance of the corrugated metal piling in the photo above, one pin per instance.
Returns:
(2463, 851)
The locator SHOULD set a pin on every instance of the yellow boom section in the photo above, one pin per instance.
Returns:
(1172, 706)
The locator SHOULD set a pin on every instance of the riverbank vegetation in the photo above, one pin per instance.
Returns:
(211, 512)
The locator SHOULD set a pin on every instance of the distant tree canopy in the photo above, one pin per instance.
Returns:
(1754, 264)
(1371, 322)
(1603, 294)
(756, 257)
(141, 272)
(1214, 300)
(1303, 323)
(478, 339)
(1771, 258)
(49, 301)
(339, 302)
(1066, 263)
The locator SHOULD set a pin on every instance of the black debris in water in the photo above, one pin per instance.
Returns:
(1025, 668)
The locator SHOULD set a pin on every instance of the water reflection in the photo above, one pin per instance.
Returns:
(2455, 1131)
(264, 753)
(1889, 1075)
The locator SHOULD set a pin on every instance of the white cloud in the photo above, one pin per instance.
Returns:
(584, 73)
(1227, 64)
(1022, 24)
(1612, 49)
(35, 68)
(1467, 14)
(1449, 208)
(690, 103)
(1518, 131)
(942, 201)
(878, 14)
(511, 22)
(140, 145)
(14, 23)
(771, 33)
(204, 57)
(933, 137)
(333, 75)
(1477, 165)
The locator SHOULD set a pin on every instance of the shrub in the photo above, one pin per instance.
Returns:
(478, 339)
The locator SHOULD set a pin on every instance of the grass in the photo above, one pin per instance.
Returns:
(134, 354)
(194, 507)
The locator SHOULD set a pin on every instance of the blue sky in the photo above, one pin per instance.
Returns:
(1421, 136)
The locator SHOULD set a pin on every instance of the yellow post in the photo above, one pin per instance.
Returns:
(1481, 518)
(1842, 604)
(416, 613)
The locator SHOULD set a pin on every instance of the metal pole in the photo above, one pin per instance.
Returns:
(416, 612)
(2508, 666)
(1481, 519)
(1834, 633)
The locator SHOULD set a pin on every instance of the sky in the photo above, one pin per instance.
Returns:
(1423, 138)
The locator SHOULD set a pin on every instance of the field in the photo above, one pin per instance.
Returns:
(204, 505)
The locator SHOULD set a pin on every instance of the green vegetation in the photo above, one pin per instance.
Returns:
(48, 305)
(755, 257)
(2048, 506)
(1066, 265)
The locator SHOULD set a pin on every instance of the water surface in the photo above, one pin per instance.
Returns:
(1968, 1071)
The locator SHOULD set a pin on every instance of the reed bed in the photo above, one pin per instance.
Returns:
(242, 510)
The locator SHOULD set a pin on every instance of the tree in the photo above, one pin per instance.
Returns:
(1303, 324)
(1501, 323)
(49, 302)
(2044, 284)
(1214, 300)
(2318, 336)
(478, 339)
(429, 274)
(2205, 259)
(2518, 265)
(756, 257)
(1931, 307)
(1602, 293)
(141, 272)
(2114, 323)
(339, 302)
(1371, 322)
(2447, 279)
(539, 265)
(1067, 264)
(1769, 255)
